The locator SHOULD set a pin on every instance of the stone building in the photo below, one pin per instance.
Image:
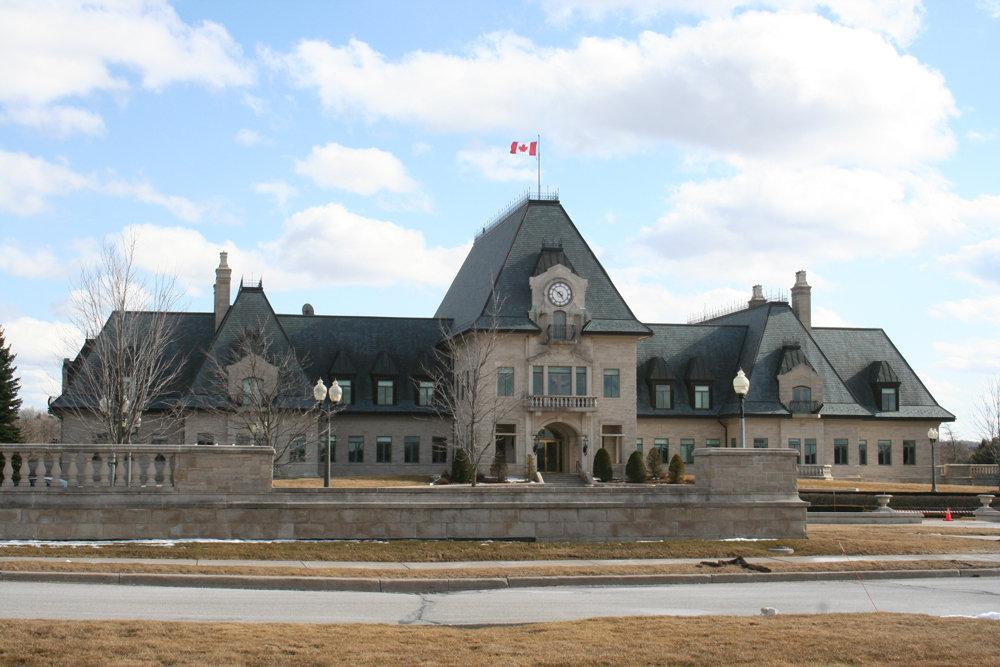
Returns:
(580, 370)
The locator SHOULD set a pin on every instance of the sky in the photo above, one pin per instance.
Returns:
(346, 154)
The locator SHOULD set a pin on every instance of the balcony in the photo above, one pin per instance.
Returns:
(561, 333)
(562, 403)
(804, 407)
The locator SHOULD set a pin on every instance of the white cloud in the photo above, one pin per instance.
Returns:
(56, 49)
(40, 346)
(777, 85)
(497, 164)
(247, 137)
(900, 20)
(824, 317)
(979, 354)
(977, 136)
(979, 262)
(279, 189)
(321, 246)
(26, 182)
(419, 148)
(977, 311)
(39, 264)
(752, 225)
(652, 302)
(363, 171)
(991, 7)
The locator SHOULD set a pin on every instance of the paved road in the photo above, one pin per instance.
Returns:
(940, 597)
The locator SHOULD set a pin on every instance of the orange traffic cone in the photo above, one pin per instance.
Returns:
(947, 514)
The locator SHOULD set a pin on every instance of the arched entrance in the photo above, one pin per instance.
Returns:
(551, 452)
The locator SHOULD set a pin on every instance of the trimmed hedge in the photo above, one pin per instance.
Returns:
(635, 469)
(602, 465)
(675, 474)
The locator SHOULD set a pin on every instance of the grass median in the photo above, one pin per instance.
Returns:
(874, 640)
(823, 541)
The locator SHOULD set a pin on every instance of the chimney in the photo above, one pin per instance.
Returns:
(758, 297)
(802, 301)
(223, 276)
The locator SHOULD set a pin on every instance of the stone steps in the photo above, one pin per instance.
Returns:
(562, 479)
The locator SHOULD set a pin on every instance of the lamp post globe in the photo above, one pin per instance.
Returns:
(319, 391)
(336, 393)
(741, 385)
(932, 435)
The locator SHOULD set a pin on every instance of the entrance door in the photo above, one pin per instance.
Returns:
(551, 453)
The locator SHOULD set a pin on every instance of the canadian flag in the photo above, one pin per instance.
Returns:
(518, 148)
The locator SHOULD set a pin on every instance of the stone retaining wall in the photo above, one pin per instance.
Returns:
(741, 493)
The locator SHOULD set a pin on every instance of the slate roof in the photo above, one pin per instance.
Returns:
(502, 261)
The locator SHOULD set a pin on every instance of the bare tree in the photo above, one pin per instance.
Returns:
(262, 394)
(37, 426)
(466, 391)
(126, 364)
(987, 409)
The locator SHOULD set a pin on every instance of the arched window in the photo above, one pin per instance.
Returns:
(801, 400)
(559, 325)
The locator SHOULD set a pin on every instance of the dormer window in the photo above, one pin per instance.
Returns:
(663, 397)
(252, 391)
(885, 386)
(425, 392)
(385, 392)
(699, 382)
(384, 374)
(801, 400)
(660, 380)
(343, 371)
(702, 397)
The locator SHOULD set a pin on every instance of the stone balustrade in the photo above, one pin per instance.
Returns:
(969, 474)
(562, 403)
(816, 471)
(55, 468)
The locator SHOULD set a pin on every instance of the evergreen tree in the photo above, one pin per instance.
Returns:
(602, 465)
(461, 470)
(635, 469)
(676, 470)
(986, 452)
(10, 404)
(654, 463)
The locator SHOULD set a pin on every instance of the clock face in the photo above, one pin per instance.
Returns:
(560, 293)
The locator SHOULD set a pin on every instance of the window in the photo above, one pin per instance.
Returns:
(384, 395)
(206, 439)
(796, 444)
(662, 397)
(862, 452)
(411, 449)
(356, 449)
(663, 444)
(801, 400)
(889, 399)
(560, 379)
(321, 454)
(840, 452)
(383, 449)
(559, 330)
(347, 398)
(702, 397)
(505, 441)
(538, 381)
(505, 381)
(638, 445)
(760, 443)
(158, 440)
(712, 442)
(687, 451)
(810, 453)
(733, 442)
(581, 380)
(611, 383)
(439, 450)
(297, 449)
(909, 452)
(426, 392)
(885, 452)
(611, 437)
(252, 392)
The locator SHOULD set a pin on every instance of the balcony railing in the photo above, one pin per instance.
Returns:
(804, 407)
(557, 332)
(816, 471)
(563, 403)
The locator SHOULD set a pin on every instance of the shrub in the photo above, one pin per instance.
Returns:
(499, 467)
(676, 470)
(635, 469)
(602, 465)
(654, 464)
(461, 469)
(532, 470)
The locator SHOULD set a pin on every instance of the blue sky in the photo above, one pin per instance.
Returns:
(347, 153)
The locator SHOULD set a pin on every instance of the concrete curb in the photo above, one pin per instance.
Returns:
(423, 586)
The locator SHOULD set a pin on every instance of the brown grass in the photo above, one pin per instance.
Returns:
(366, 482)
(880, 640)
(890, 487)
(823, 541)
(474, 572)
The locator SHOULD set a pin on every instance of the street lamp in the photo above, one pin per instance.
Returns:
(741, 385)
(321, 393)
(932, 435)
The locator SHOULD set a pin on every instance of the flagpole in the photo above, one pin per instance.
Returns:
(538, 156)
